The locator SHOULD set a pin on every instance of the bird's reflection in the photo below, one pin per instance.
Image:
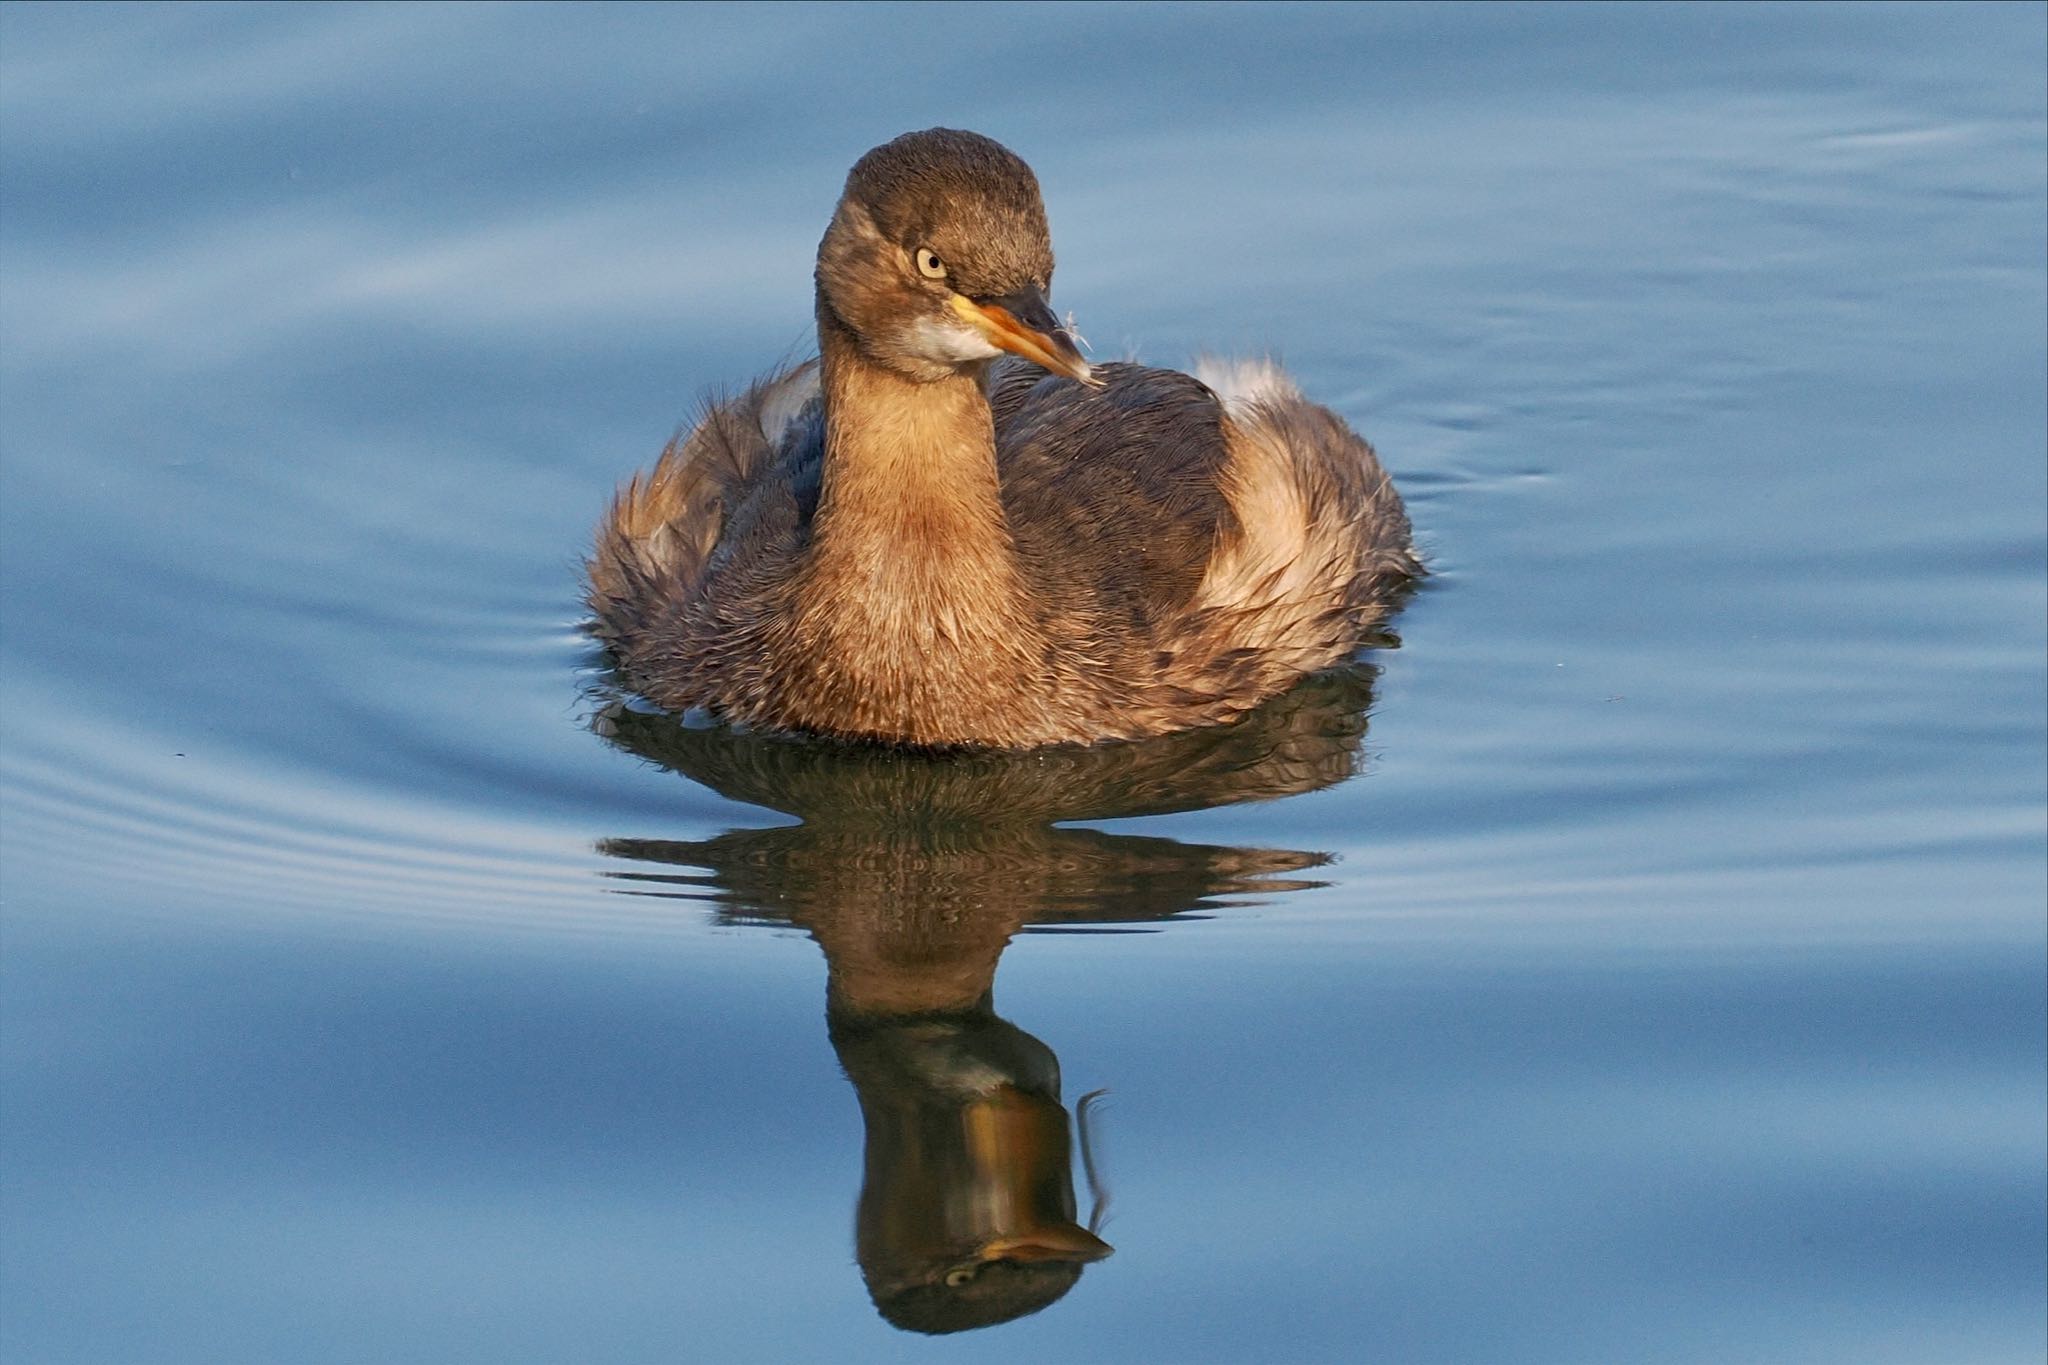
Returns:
(913, 872)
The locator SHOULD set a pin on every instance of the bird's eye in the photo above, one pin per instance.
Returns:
(959, 1275)
(929, 265)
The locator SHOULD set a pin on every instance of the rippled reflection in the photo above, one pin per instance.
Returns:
(913, 873)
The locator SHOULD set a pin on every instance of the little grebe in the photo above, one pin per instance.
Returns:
(914, 539)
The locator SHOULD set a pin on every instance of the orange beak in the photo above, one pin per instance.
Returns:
(1061, 1242)
(1023, 325)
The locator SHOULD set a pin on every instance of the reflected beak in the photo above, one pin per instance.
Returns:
(1023, 325)
(1063, 1242)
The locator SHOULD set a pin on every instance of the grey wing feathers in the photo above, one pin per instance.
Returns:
(1252, 535)
(1116, 491)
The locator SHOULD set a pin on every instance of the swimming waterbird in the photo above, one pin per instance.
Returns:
(951, 530)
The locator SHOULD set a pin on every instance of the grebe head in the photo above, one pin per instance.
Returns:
(938, 259)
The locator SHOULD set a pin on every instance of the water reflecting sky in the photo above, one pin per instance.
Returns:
(1642, 961)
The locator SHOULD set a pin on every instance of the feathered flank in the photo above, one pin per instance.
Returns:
(906, 542)
(663, 525)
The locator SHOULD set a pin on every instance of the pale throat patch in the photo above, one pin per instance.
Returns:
(951, 343)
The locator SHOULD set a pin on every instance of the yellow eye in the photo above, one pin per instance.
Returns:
(959, 1275)
(929, 265)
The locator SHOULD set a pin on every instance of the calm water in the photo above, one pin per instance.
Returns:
(1642, 962)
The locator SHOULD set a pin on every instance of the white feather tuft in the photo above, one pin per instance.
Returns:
(1241, 383)
(785, 398)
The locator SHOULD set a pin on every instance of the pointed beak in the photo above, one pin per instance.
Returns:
(1061, 1242)
(1023, 325)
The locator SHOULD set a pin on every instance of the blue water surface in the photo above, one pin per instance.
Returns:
(1643, 961)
